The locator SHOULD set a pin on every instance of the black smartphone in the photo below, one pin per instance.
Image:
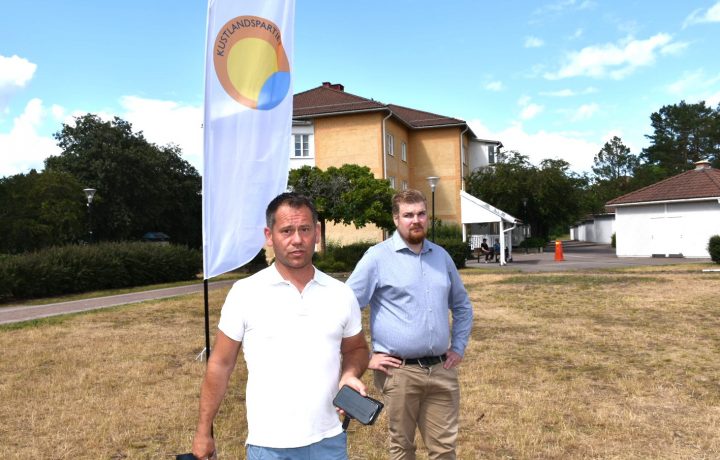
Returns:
(189, 456)
(364, 409)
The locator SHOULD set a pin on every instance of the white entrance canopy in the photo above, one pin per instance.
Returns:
(475, 211)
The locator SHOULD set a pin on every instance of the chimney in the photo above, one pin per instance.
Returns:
(702, 164)
(335, 86)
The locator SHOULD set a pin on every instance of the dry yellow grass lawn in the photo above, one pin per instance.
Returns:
(565, 365)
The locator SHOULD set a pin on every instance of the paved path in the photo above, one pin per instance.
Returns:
(14, 314)
(577, 255)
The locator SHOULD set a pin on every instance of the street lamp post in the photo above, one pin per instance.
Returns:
(89, 194)
(525, 200)
(433, 180)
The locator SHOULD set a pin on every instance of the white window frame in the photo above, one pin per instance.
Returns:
(305, 146)
(392, 181)
(403, 152)
(390, 144)
(404, 185)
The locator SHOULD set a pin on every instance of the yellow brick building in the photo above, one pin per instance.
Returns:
(332, 127)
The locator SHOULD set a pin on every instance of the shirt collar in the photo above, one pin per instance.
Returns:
(399, 244)
(274, 276)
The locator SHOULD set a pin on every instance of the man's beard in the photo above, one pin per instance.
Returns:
(416, 235)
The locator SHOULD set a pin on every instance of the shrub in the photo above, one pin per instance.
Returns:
(339, 258)
(459, 250)
(714, 248)
(258, 263)
(81, 268)
(533, 242)
(613, 240)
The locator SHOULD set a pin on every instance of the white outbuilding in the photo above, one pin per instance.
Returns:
(673, 218)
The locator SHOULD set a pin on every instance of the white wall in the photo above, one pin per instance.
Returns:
(672, 228)
(599, 229)
(477, 153)
(299, 162)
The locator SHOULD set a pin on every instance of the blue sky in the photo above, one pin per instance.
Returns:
(553, 79)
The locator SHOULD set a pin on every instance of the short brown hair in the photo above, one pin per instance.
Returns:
(292, 199)
(410, 196)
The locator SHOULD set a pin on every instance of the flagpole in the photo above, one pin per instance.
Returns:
(207, 321)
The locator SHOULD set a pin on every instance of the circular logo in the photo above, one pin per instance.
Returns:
(251, 63)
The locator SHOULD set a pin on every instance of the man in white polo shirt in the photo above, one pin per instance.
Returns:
(302, 339)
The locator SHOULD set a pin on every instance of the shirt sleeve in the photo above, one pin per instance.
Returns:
(363, 279)
(354, 324)
(232, 321)
(462, 311)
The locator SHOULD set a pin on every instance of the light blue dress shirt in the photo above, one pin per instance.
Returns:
(409, 296)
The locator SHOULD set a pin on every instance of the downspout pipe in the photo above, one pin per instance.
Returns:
(462, 159)
(384, 154)
(462, 180)
(384, 144)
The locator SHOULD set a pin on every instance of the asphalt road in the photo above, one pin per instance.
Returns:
(14, 314)
(577, 256)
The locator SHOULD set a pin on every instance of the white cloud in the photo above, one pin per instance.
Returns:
(695, 85)
(162, 122)
(166, 122)
(699, 17)
(530, 111)
(494, 86)
(713, 100)
(569, 92)
(614, 60)
(15, 72)
(23, 148)
(533, 42)
(585, 111)
(569, 146)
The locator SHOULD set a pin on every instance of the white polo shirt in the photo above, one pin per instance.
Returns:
(291, 342)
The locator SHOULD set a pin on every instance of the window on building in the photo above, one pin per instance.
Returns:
(392, 181)
(491, 154)
(302, 145)
(403, 153)
(389, 144)
(404, 185)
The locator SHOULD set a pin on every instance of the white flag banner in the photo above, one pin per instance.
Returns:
(248, 119)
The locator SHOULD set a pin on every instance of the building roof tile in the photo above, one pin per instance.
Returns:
(702, 182)
(331, 99)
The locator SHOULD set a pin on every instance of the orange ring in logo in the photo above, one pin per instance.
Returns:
(251, 63)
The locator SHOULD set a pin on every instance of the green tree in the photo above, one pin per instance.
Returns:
(39, 210)
(348, 195)
(683, 134)
(614, 161)
(140, 186)
(549, 197)
(613, 168)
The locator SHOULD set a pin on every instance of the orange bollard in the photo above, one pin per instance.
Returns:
(559, 257)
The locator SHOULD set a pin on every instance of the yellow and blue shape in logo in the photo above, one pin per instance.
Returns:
(251, 63)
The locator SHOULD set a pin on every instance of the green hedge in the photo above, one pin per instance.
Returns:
(458, 250)
(339, 259)
(714, 248)
(533, 242)
(82, 268)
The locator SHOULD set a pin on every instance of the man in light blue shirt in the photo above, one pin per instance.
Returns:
(410, 284)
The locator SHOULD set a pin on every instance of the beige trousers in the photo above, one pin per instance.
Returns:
(426, 398)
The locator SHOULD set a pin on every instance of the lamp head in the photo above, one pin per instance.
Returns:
(89, 193)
